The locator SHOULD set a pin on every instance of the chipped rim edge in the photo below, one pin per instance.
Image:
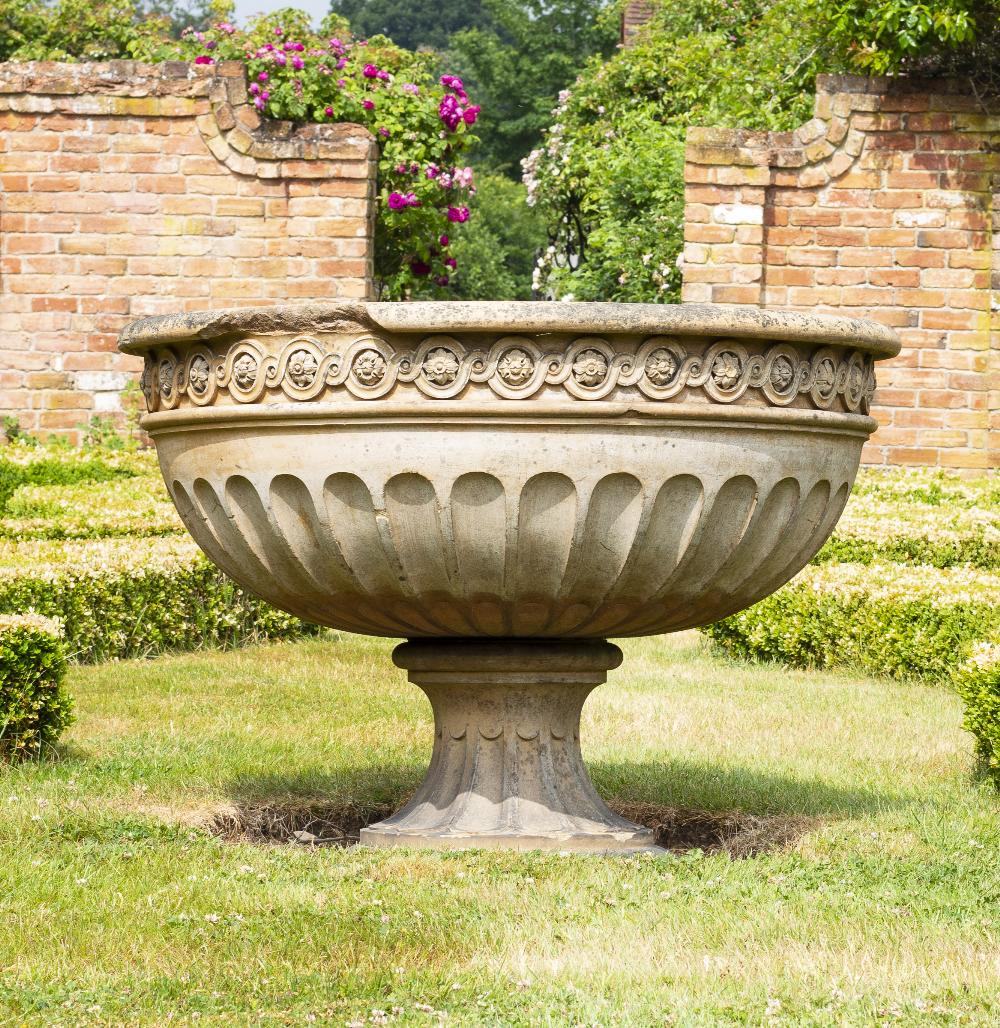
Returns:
(524, 317)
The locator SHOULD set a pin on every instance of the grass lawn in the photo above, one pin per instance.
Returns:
(119, 906)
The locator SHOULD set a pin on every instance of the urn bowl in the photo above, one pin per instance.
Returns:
(509, 470)
(505, 485)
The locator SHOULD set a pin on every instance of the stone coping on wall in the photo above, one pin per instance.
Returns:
(847, 107)
(885, 204)
(215, 95)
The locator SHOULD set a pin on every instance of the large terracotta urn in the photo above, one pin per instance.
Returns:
(506, 485)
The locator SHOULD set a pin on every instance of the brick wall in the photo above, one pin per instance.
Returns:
(635, 14)
(129, 190)
(885, 206)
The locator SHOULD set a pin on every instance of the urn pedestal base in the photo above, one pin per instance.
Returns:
(506, 771)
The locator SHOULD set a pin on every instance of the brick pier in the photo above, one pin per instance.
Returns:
(129, 190)
(884, 205)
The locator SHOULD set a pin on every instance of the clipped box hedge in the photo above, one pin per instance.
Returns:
(883, 619)
(978, 683)
(25, 465)
(91, 538)
(34, 709)
(135, 506)
(135, 597)
(918, 517)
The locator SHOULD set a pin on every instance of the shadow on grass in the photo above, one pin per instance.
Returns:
(709, 786)
(689, 805)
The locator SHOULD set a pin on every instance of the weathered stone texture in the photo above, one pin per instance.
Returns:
(129, 190)
(884, 205)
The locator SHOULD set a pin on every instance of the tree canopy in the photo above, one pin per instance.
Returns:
(414, 24)
(608, 177)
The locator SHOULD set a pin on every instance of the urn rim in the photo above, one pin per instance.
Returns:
(520, 316)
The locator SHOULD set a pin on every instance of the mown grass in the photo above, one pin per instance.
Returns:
(118, 906)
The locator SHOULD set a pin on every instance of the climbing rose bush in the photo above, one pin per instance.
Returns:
(422, 122)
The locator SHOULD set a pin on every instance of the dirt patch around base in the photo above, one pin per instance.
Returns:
(302, 823)
(676, 829)
(741, 835)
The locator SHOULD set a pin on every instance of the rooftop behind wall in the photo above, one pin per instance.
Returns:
(129, 190)
(884, 206)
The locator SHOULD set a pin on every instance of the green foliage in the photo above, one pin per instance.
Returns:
(763, 57)
(619, 237)
(111, 614)
(50, 469)
(887, 35)
(518, 67)
(136, 507)
(978, 683)
(413, 24)
(13, 433)
(34, 709)
(104, 434)
(901, 636)
(88, 30)
(496, 254)
(978, 551)
(609, 177)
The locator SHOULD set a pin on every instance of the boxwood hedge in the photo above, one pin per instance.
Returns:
(34, 709)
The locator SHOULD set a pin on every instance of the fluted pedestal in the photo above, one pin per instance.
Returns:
(506, 770)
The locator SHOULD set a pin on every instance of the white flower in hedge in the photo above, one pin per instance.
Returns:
(984, 655)
(50, 626)
(902, 583)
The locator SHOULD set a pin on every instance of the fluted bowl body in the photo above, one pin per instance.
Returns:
(535, 469)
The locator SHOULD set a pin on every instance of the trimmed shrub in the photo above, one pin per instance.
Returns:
(883, 619)
(34, 709)
(22, 465)
(976, 550)
(124, 598)
(138, 506)
(978, 683)
(918, 517)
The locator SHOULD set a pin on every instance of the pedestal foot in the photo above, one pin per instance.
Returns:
(506, 770)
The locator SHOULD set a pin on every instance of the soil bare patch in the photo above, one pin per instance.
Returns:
(304, 823)
(677, 829)
(734, 832)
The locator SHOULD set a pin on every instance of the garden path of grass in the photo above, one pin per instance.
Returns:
(117, 906)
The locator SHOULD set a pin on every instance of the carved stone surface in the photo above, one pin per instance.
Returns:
(368, 367)
(506, 770)
(537, 471)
